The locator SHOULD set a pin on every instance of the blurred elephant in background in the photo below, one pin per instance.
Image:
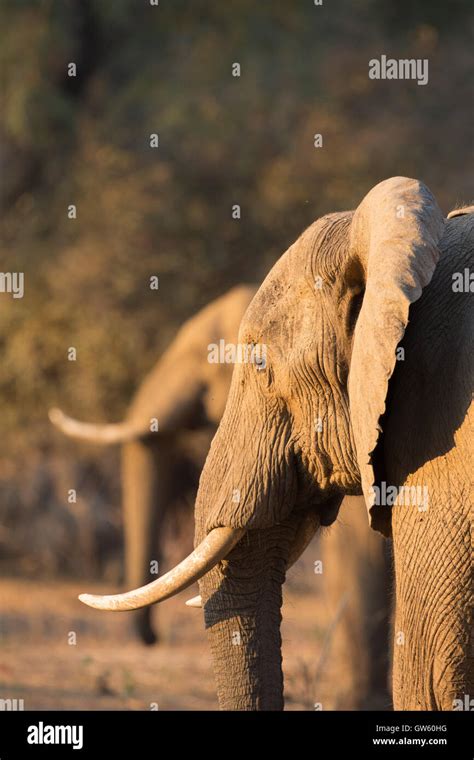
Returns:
(367, 387)
(183, 392)
(357, 585)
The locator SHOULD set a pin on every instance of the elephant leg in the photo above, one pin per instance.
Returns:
(145, 500)
(356, 577)
(433, 663)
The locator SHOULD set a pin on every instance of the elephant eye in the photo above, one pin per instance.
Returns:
(257, 355)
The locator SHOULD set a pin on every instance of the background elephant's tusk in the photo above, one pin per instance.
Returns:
(196, 601)
(217, 544)
(109, 433)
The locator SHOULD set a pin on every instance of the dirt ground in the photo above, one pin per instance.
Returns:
(107, 669)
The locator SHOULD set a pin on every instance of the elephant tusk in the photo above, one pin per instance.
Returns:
(120, 432)
(217, 544)
(196, 601)
(305, 532)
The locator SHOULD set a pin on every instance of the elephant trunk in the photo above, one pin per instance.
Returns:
(144, 497)
(245, 487)
(242, 599)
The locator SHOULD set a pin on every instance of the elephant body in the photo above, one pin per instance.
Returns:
(431, 392)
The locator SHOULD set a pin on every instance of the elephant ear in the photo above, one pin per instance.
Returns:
(394, 240)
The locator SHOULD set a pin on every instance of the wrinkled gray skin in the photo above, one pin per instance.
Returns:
(331, 313)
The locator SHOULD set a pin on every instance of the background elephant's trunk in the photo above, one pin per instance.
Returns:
(242, 599)
(144, 496)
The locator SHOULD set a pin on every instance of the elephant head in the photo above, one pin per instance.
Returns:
(300, 429)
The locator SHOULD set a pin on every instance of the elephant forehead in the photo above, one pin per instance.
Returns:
(320, 251)
(277, 322)
(280, 301)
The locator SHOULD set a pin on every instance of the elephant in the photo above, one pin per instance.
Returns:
(365, 388)
(183, 392)
(154, 470)
(153, 462)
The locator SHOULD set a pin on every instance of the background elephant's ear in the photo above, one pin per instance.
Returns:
(394, 237)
